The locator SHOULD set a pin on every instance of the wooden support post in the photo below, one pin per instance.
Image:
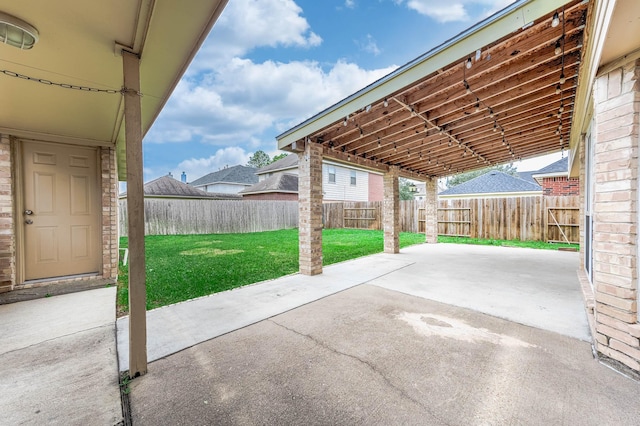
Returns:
(135, 217)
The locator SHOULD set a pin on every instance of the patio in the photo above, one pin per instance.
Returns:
(372, 349)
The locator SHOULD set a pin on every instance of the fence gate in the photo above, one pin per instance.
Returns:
(562, 225)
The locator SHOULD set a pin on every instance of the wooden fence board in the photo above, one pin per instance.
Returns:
(525, 218)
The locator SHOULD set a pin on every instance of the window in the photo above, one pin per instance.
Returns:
(332, 174)
(353, 177)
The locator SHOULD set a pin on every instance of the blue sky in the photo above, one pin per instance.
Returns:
(270, 64)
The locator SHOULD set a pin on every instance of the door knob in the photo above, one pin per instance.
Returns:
(28, 221)
(28, 212)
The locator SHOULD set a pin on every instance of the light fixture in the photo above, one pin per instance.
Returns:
(345, 121)
(17, 33)
(477, 105)
(413, 188)
(368, 108)
(558, 48)
(558, 89)
(562, 78)
(469, 63)
(466, 86)
(385, 103)
(561, 107)
(556, 20)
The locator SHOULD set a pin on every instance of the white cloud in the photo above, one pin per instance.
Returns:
(247, 24)
(244, 99)
(197, 167)
(455, 10)
(350, 4)
(369, 45)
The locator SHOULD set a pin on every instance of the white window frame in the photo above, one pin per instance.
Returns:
(331, 172)
(353, 178)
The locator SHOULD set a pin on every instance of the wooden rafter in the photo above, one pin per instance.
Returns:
(505, 107)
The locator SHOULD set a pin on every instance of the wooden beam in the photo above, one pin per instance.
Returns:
(135, 217)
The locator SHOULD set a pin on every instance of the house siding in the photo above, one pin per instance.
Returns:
(223, 188)
(615, 245)
(560, 185)
(342, 190)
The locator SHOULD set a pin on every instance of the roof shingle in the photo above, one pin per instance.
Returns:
(236, 174)
(492, 182)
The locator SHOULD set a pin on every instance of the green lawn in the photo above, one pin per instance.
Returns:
(182, 267)
(506, 243)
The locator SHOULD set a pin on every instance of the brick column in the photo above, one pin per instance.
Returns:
(617, 111)
(431, 211)
(7, 241)
(391, 210)
(310, 209)
(109, 213)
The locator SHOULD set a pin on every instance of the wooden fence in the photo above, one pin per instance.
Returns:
(524, 218)
(174, 216)
(554, 219)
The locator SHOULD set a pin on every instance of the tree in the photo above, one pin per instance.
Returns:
(405, 189)
(463, 177)
(279, 157)
(259, 159)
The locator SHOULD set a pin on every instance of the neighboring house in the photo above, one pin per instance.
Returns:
(555, 180)
(341, 182)
(493, 184)
(230, 180)
(170, 188)
(280, 186)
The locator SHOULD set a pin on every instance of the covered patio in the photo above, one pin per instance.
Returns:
(503, 90)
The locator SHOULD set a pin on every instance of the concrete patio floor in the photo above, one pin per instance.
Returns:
(363, 344)
(58, 361)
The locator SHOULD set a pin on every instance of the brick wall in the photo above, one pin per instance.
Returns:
(279, 196)
(431, 211)
(310, 209)
(617, 111)
(560, 185)
(7, 239)
(109, 183)
(391, 211)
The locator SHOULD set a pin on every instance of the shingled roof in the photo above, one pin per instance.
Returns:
(280, 182)
(493, 182)
(559, 167)
(288, 162)
(237, 174)
(168, 187)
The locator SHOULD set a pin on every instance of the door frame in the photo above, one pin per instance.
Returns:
(18, 208)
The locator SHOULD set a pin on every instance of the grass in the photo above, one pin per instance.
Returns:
(507, 243)
(182, 267)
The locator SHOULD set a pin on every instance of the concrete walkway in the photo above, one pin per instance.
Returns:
(533, 287)
(58, 360)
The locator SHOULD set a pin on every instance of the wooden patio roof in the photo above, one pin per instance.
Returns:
(502, 91)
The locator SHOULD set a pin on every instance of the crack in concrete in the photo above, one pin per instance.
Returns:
(56, 338)
(369, 365)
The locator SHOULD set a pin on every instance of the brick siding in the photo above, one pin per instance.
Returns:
(310, 209)
(376, 188)
(560, 185)
(7, 233)
(615, 246)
